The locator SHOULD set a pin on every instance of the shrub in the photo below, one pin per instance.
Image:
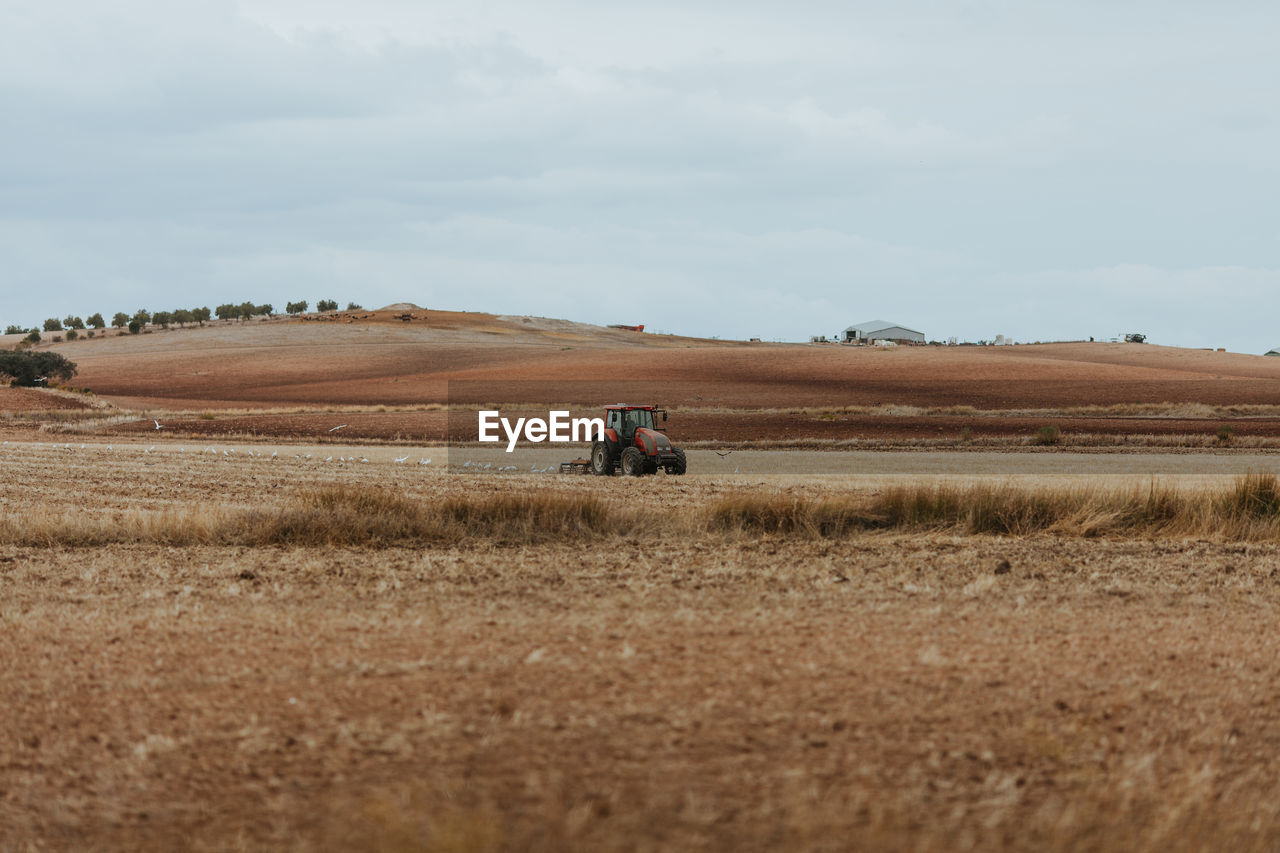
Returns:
(135, 326)
(352, 306)
(32, 338)
(72, 334)
(1048, 435)
(31, 368)
(1225, 433)
(327, 305)
(966, 435)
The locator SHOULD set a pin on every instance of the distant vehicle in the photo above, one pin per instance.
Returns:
(1135, 338)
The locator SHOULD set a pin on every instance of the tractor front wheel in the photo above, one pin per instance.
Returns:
(601, 460)
(632, 462)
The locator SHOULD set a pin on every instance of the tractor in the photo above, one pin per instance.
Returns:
(634, 445)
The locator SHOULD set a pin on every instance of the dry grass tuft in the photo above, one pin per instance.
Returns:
(369, 516)
(1249, 511)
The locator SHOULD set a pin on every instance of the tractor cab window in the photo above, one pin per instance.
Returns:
(615, 420)
(636, 418)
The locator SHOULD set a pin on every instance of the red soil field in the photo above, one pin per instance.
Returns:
(371, 359)
(33, 400)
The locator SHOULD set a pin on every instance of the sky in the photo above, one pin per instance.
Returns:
(755, 169)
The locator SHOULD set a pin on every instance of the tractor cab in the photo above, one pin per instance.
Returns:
(625, 421)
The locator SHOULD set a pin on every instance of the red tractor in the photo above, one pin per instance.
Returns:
(634, 445)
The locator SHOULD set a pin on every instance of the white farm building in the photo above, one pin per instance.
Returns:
(880, 330)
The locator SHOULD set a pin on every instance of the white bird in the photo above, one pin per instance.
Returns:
(81, 446)
(151, 448)
(108, 446)
(335, 429)
(275, 453)
(157, 423)
(363, 459)
(330, 459)
(225, 453)
(402, 458)
(424, 461)
(308, 456)
(466, 464)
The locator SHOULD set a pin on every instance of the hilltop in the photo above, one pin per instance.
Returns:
(406, 357)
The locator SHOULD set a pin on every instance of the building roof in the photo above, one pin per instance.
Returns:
(878, 326)
(1275, 351)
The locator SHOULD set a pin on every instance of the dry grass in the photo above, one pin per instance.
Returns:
(1248, 511)
(331, 516)
(369, 516)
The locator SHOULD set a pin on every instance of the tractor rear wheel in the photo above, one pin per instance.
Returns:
(632, 462)
(680, 465)
(601, 460)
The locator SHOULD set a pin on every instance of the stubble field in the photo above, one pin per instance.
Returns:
(291, 618)
(669, 686)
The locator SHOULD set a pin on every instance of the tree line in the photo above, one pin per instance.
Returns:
(181, 317)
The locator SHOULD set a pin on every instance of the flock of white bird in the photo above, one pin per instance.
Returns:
(307, 457)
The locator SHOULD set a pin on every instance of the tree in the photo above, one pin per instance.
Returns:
(120, 320)
(201, 315)
(35, 368)
(296, 307)
(143, 316)
(14, 330)
(327, 305)
(135, 326)
(352, 306)
(183, 316)
(162, 319)
(247, 310)
(227, 312)
(52, 325)
(73, 322)
(95, 320)
(32, 338)
(265, 310)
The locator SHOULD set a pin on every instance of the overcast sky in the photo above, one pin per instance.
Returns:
(1043, 171)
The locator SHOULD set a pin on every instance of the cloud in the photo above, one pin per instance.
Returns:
(998, 168)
